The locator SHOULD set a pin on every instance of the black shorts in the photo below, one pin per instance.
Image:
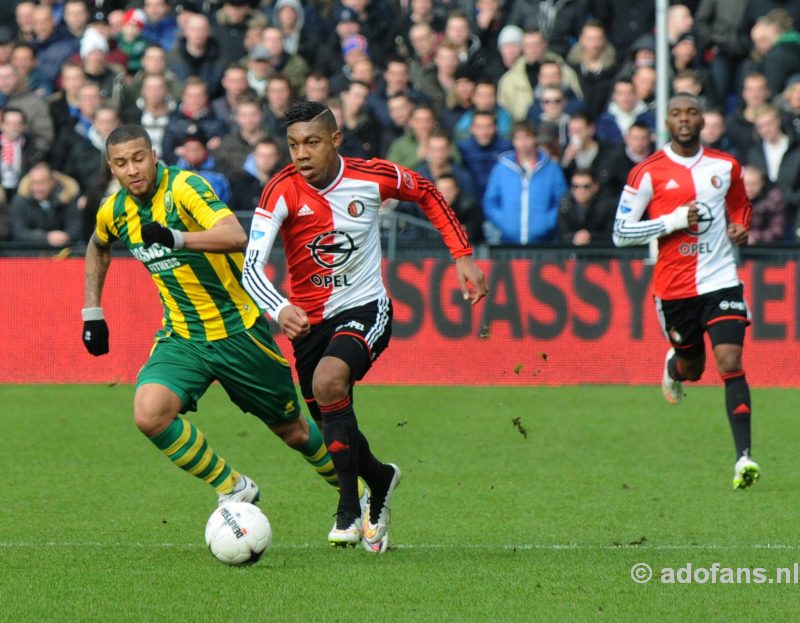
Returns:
(723, 314)
(357, 336)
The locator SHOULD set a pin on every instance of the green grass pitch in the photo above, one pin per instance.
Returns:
(488, 525)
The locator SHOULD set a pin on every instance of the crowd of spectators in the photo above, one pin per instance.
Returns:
(527, 114)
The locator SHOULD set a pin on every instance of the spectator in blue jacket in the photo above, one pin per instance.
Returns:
(161, 26)
(523, 193)
(479, 152)
(53, 45)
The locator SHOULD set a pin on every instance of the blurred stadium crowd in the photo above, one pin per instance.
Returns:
(460, 90)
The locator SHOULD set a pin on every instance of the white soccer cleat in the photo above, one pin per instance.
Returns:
(245, 490)
(746, 472)
(346, 532)
(672, 389)
(377, 524)
(382, 545)
(363, 500)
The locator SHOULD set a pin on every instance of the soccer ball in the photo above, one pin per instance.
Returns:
(238, 533)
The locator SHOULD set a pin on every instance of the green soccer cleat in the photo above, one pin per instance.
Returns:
(245, 490)
(746, 472)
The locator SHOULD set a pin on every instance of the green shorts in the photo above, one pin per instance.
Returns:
(248, 365)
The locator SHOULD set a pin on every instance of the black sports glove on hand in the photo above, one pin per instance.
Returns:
(95, 331)
(156, 233)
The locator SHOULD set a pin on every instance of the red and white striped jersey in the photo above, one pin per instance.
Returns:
(690, 261)
(331, 236)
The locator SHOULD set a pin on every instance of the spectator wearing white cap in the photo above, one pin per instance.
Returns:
(110, 78)
(509, 39)
(509, 45)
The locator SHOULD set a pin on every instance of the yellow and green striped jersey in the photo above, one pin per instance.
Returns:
(201, 293)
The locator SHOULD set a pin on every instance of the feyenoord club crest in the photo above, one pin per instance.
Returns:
(716, 182)
(355, 208)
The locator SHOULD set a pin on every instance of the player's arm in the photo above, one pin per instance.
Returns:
(406, 185)
(263, 232)
(631, 230)
(221, 231)
(224, 236)
(95, 329)
(738, 207)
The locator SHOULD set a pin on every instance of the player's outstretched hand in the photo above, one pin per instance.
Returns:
(737, 234)
(470, 279)
(294, 322)
(95, 331)
(156, 233)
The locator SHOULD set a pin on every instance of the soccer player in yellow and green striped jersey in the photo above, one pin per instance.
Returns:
(191, 243)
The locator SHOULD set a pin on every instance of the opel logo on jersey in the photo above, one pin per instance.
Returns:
(355, 208)
(704, 220)
(332, 249)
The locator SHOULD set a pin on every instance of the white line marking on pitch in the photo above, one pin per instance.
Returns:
(436, 546)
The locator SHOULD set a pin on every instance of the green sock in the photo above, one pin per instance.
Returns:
(186, 446)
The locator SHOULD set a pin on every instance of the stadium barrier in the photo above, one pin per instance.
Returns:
(545, 322)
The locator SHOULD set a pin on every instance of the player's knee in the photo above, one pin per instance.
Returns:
(695, 374)
(729, 362)
(293, 435)
(329, 388)
(692, 370)
(151, 414)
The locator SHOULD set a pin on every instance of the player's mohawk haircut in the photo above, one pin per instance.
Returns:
(304, 111)
(128, 132)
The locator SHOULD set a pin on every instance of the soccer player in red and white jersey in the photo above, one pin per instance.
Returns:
(698, 209)
(325, 208)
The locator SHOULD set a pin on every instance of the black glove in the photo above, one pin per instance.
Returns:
(95, 331)
(156, 233)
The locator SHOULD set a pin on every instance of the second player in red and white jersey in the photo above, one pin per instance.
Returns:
(694, 260)
(331, 235)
